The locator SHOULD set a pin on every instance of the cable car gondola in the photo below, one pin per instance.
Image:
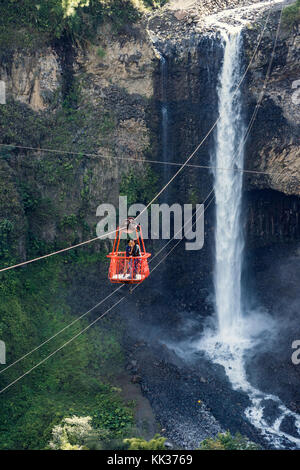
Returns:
(129, 269)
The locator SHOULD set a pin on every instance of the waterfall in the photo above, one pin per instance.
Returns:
(239, 331)
(228, 190)
(235, 332)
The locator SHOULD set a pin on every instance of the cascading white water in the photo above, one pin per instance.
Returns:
(228, 191)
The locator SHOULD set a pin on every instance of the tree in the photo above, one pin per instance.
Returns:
(71, 434)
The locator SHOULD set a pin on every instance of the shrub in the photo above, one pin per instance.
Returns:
(228, 442)
(291, 15)
(101, 52)
(139, 187)
(136, 443)
(71, 433)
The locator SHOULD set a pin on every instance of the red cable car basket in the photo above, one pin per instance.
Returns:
(132, 269)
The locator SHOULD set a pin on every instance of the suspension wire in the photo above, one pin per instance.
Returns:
(61, 331)
(179, 241)
(246, 135)
(98, 318)
(158, 162)
(210, 130)
(267, 77)
(68, 152)
(61, 347)
(98, 304)
(165, 246)
(164, 187)
(57, 252)
(157, 254)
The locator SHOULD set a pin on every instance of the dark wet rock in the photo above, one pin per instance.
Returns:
(136, 379)
(271, 411)
(288, 426)
(189, 409)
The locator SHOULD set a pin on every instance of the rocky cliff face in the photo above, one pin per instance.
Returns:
(190, 45)
(274, 141)
(78, 101)
(105, 98)
(189, 42)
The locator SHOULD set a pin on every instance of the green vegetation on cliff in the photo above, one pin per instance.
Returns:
(35, 304)
(138, 186)
(48, 201)
(56, 18)
(291, 15)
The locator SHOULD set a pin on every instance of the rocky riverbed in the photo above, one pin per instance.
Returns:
(191, 397)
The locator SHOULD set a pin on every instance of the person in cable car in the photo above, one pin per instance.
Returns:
(128, 254)
(131, 265)
(136, 252)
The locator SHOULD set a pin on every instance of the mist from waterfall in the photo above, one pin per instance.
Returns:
(229, 154)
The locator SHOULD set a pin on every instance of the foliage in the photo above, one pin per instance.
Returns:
(226, 441)
(77, 433)
(136, 443)
(291, 15)
(6, 227)
(33, 307)
(155, 3)
(73, 18)
(139, 187)
(71, 433)
(101, 52)
(17, 121)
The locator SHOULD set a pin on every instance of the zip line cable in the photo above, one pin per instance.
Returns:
(218, 119)
(249, 127)
(267, 77)
(61, 331)
(56, 252)
(98, 318)
(159, 162)
(112, 293)
(164, 187)
(97, 305)
(244, 140)
(61, 347)
(202, 141)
